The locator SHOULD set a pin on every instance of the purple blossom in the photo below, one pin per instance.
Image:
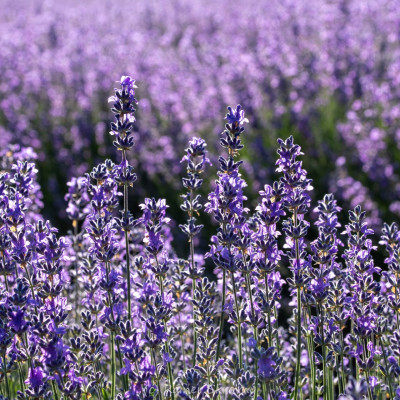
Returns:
(36, 378)
(236, 117)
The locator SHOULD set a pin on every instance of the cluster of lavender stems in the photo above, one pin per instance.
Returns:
(111, 312)
(330, 76)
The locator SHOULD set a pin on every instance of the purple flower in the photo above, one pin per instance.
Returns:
(268, 365)
(236, 117)
(36, 378)
(127, 82)
(167, 358)
(17, 321)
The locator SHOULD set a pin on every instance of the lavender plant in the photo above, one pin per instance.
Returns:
(192, 206)
(110, 311)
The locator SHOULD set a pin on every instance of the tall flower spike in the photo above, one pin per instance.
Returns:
(196, 159)
(226, 205)
(390, 289)
(103, 235)
(267, 254)
(363, 295)
(78, 208)
(159, 309)
(322, 278)
(297, 201)
(123, 107)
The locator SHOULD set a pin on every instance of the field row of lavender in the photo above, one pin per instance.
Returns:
(201, 261)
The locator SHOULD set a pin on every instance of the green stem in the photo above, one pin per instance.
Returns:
(183, 352)
(342, 359)
(170, 377)
(269, 314)
(113, 338)
(387, 370)
(113, 369)
(128, 271)
(31, 286)
(75, 226)
(357, 368)
(221, 323)
(208, 372)
(337, 361)
(325, 374)
(128, 263)
(25, 344)
(366, 371)
(194, 313)
(194, 330)
(182, 344)
(248, 284)
(6, 377)
(54, 390)
(239, 321)
(153, 356)
(313, 369)
(264, 390)
(21, 379)
(310, 351)
(298, 357)
(169, 368)
(278, 347)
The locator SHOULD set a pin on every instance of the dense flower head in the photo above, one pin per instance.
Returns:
(36, 378)
(197, 148)
(124, 98)
(268, 366)
(127, 83)
(236, 116)
(154, 211)
(123, 108)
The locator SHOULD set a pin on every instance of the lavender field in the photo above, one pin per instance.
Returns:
(199, 200)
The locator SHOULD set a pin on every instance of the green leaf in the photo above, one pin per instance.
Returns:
(105, 394)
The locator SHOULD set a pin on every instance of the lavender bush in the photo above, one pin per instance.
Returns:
(326, 71)
(109, 311)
